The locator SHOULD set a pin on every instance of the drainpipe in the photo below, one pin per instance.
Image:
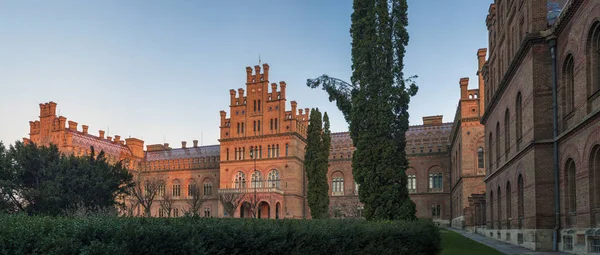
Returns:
(555, 234)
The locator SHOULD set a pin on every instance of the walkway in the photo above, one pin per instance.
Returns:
(501, 246)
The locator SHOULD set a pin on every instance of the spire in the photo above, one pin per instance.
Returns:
(258, 59)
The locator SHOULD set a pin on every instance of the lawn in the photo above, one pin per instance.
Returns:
(456, 244)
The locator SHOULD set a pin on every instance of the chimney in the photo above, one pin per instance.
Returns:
(101, 134)
(241, 96)
(294, 106)
(432, 120)
(183, 143)
(481, 57)
(195, 143)
(273, 91)
(117, 138)
(248, 74)
(266, 71)
(464, 85)
(109, 138)
(85, 129)
(223, 115)
(166, 145)
(62, 123)
(232, 95)
(52, 108)
(282, 86)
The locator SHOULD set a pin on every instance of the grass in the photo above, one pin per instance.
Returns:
(456, 244)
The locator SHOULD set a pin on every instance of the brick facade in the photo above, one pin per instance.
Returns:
(519, 123)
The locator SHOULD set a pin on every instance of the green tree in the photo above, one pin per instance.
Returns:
(315, 162)
(375, 105)
(39, 180)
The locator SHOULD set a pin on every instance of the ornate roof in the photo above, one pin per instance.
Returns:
(85, 141)
(193, 152)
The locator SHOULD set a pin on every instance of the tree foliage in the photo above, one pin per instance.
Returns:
(375, 105)
(40, 180)
(318, 142)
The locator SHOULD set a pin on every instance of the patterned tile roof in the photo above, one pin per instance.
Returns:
(85, 141)
(202, 151)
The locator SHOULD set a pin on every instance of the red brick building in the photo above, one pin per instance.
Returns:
(534, 47)
(261, 154)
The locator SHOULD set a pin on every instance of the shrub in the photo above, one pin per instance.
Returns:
(21, 234)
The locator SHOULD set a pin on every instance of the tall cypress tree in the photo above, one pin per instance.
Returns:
(375, 104)
(323, 191)
(318, 201)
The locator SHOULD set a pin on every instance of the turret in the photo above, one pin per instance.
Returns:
(240, 96)
(183, 144)
(101, 134)
(72, 125)
(282, 86)
(223, 114)
(232, 96)
(273, 91)
(85, 129)
(62, 122)
(266, 71)
(294, 106)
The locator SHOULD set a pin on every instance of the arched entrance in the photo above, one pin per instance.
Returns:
(264, 210)
(277, 210)
(246, 210)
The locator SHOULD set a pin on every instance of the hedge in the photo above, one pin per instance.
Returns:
(21, 234)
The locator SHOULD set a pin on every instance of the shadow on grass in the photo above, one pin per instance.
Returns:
(456, 244)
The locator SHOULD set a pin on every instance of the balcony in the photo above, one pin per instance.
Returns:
(251, 190)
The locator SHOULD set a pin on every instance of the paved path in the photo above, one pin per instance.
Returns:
(502, 246)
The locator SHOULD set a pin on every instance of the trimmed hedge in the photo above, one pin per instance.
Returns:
(103, 235)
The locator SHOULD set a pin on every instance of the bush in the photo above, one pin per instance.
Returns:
(21, 234)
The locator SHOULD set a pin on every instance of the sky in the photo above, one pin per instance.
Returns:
(161, 70)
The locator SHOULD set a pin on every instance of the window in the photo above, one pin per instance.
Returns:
(287, 148)
(520, 204)
(259, 104)
(240, 180)
(436, 211)
(412, 183)
(256, 179)
(498, 142)
(277, 150)
(238, 128)
(274, 181)
(161, 212)
(435, 182)
(594, 169)
(593, 55)
(242, 127)
(208, 188)
(269, 150)
(192, 189)
(227, 155)
(254, 124)
(480, 157)
(506, 134)
(275, 123)
(161, 190)
(258, 128)
(568, 82)
(508, 205)
(176, 189)
(338, 186)
(207, 212)
(271, 125)
(492, 209)
(499, 201)
(254, 105)
(175, 212)
(519, 119)
(571, 191)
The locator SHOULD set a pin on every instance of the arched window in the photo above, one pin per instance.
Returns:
(595, 182)
(161, 189)
(480, 157)
(256, 179)
(435, 182)
(521, 209)
(508, 205)
(571, 192)
(207, 188)
(412, 183)
(274, 180)
(568, 87)
(240, 180)
(498, 143)
(492, 209)
(499, 205)
(519, 119)
(176, 188)
(192, 188)
(506, 134)
(593, 56)
(338, 186)
(490, 154)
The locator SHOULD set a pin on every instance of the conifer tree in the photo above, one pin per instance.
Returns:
(315, 162)
(375, 105)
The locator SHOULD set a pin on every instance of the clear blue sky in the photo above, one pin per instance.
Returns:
(162, 70)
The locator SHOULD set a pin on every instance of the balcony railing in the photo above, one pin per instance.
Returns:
(251, 190)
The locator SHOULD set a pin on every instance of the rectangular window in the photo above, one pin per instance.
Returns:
(260, 151)
(227, 154)
(176, 190)
(191, 190)
(277, 150)
(254, 122)
(271, 124)
(259, 105)
(238, 128)
(286, 149)
(175, 212)
(275, 123)
(208, 189)
(269, 151)
(254, 105)
(258, 126)
(207, 212)
(242, 127)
